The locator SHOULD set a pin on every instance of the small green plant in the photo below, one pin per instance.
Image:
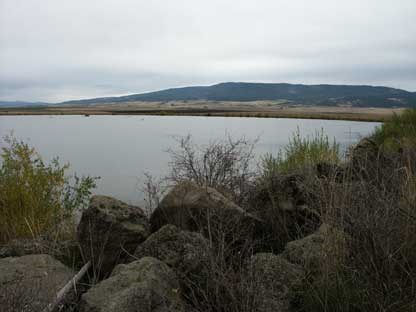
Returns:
(301, 153)
(35, 197)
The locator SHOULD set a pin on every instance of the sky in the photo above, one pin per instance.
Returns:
(56, 50)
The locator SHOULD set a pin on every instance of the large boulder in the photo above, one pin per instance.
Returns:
(286, 203)
(327, 246)
(195, 208)
(275, 282)
(146, 285)
(186, 252)
(30, 283)
(109, 230)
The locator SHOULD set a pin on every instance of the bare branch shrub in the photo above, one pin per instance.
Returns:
(153, 189)
(224, 165)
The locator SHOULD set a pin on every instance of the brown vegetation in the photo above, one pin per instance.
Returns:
(258, 109)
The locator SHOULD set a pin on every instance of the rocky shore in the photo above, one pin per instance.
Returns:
(147, 264)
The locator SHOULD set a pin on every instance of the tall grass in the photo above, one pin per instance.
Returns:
(380, 221)
(378, 215)
(301, 153)
(35, 197)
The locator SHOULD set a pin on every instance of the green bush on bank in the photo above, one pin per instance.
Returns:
(301, 153)
(36, 197)
(401, 130)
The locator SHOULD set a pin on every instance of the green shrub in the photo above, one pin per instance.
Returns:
(36, 198)
(401, 130)
(301, 153)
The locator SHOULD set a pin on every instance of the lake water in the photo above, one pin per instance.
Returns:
(120, 149)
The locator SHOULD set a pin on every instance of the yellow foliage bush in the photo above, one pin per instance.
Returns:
(35, 197)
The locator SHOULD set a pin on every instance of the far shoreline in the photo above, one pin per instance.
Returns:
(215, 109)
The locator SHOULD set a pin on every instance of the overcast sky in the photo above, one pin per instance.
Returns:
(54, 50)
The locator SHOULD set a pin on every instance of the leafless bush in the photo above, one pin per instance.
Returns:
(224, 165)
(153, 190)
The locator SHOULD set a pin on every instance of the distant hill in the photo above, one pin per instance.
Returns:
(330, 95)
(21, 104)
(355, 95)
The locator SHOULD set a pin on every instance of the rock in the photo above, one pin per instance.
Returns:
(334, 172)
(312, 251)
(365, 159)
(275, 281)
(30, 283)
(146, 285)
(66, 251)
(285, 203)
(289, 191)
(195, 208)
(365, 148)
(186, 252)
(108, 229)
(22, 247)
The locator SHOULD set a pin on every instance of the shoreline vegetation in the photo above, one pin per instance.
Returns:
(257, 109)
(310, 229)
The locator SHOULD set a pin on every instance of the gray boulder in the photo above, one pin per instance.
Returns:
(186, 252)
(109, 229)
(195, 208)
(275, 280)
(285, 202)
(330, 171)
(30, 283)
(145, 285)
(312, 251)
(22, 247)
(366, 159)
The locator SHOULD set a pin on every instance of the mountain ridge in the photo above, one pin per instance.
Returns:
(318, 94)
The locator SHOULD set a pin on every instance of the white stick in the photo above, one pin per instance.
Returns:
(62, 293)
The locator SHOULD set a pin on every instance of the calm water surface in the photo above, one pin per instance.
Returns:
(120, 149)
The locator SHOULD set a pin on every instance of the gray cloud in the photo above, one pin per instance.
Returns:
(58, 50)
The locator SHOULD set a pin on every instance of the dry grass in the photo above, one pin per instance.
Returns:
(375, 206)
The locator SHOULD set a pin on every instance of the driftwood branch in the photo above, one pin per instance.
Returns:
(64, 291)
